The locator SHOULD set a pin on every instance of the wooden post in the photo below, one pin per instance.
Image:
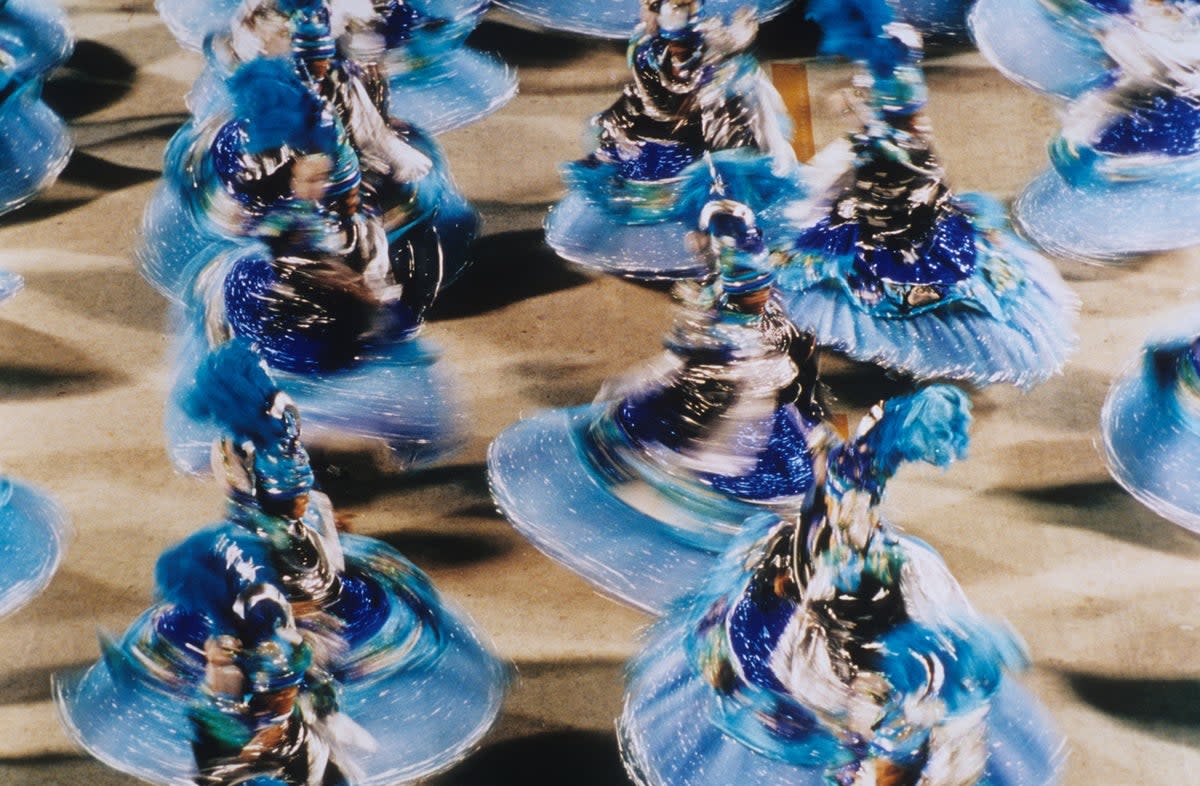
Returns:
(791, 80)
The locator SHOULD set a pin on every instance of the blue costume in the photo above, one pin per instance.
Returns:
(1051, 46)
(332, 285)
(405, 185)
(618, 18)
(413, 51)
(639, 491)
(34, 142)
(408, 670)
(34, 147)
(1151, 423)
(887, 265)
(266, 710)
(827, 649)
(698, 107)
(33, 534)
(1129, 148)
(937, 19)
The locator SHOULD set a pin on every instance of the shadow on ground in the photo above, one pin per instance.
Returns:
(508, 267)
(96, 77)
(35, 365)
(580, 758)
(1165, 708)
(536, 49)
(1103, 507)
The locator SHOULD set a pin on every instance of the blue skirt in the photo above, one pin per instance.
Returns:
(1033, 47)
(10, 284)
(640, 229)
(940, 19)
(33, 534)
(36, 35)
(34, 146)
(1024, 341)
(547, 487)
(191, 21)
(1151, 428)
(1110, 221)
(615, 18)
(669, 736)
(426, 704)
(458, 87)
(399, 397)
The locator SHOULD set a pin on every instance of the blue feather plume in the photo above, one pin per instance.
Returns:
(205, 573)
(292, 6)
(929, 425)
(973, 653)
(277, 109)
(233, 390)
(854, 29)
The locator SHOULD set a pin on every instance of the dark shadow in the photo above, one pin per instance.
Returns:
(849, 384)
(99, 133)
(937, 46)
(581, 758)
(96, 76)
(788, 35)
(508, 267)
(32, 685)
(56, 769)
(34, 365)
(86, 178)
(1168, 708)
(556, 384)
(447, 549)
(118, 296)
(356, 478)
(1103, 507)
(479, 510)
(45, 206)
(88, 170)
(27, 382)
(536, 49)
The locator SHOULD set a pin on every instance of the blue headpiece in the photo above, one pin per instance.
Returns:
(260, 612)
(312, 32)
(855, 29)
(282, 471)
(277, 109)
(275, 656)
(233, 390)
(738, 242)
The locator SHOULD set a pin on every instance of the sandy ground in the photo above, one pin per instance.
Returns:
(1031, 524)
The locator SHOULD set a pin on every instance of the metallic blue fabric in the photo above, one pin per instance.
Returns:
(1168, 124)
(399, 21)
(1110, 6)
(362, 605)
(754, 630)
(227, 149)
(300, 332)
(658, 161)
(783, 469)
